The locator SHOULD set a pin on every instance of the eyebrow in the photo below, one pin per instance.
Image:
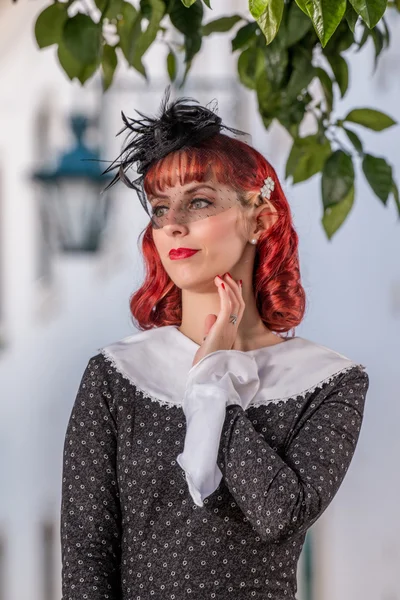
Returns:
(188, 191)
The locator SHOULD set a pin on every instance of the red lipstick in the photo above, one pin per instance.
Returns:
(181, 253)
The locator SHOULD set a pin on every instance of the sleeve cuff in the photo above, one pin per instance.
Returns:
(219, 379)
(232, 371)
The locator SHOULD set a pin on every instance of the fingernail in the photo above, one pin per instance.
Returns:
(223, 285)
(227, 273)
(240, 282)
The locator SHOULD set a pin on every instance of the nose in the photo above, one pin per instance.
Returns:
(171, 221)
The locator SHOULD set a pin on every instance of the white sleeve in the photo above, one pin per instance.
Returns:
(219, 379)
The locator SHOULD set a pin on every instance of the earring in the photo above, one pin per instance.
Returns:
(253, 241)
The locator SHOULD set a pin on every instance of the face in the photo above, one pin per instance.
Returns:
(204, 216)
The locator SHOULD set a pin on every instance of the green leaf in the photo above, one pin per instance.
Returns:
(341, 40)
(334, 216)
(186, 20)
(82, 38)
(129, 30)
(368, 117)
(128, 14)
(291, 116)
(171, 66)
(188, 3)
(340, 71)
(395, 192)
(220, 25)
(379, 175)
(364, 37)
(192, 47)
(371, 11)
(276, 61)
(114, 8)
(302, 74)
(207, 3)
(144, 8)
(378, 39)
(49, 24)
(257, 7)
(270, 19)
(302, 5)
(351, 17)
(108, 65)
(337, 178)
(269, 99)
(73, 68)
(298, 24)
(307, 157)
(251, 63)
(244, 35)
(327, 87)
(147, 37)
(386, 33)
(325, 15)
(354, 139)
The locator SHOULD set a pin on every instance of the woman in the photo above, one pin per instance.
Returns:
(201, 449)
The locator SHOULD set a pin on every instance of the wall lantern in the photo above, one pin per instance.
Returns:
(71, 198)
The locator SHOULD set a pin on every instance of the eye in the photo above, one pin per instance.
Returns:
(193, 201)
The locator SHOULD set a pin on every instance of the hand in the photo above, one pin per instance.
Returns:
(219, 331)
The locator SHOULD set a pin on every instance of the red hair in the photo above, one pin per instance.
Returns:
(279, 295)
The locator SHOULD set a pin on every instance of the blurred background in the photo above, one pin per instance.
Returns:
(64, 292)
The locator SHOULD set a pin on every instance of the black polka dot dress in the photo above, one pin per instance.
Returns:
(131, 527)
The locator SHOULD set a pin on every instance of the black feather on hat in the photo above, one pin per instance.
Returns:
(179, 124)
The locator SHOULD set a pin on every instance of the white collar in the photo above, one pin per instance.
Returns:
(157, 363)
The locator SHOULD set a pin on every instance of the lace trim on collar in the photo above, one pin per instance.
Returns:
(109, 358)
(168, 404)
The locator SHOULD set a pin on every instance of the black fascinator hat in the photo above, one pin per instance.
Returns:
(180, 123)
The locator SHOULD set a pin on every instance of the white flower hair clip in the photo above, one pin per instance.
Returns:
(268, 187)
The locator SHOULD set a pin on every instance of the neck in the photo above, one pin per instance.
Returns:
(251, 331)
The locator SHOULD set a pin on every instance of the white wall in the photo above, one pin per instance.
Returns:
(51, 333)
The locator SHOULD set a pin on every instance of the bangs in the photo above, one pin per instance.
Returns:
(194, 164)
